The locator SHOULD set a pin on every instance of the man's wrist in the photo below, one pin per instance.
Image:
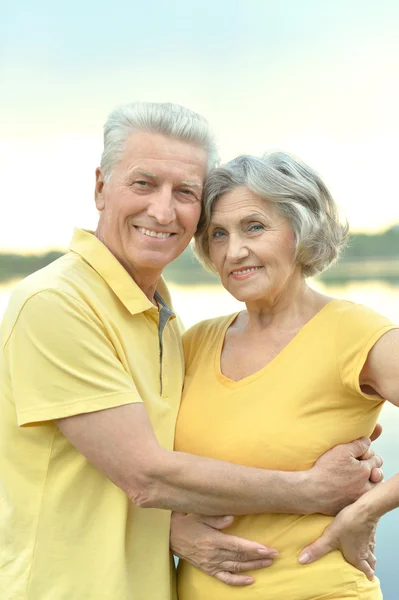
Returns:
(306, 488)
(300, 492)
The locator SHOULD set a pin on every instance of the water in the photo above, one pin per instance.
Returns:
(202, 302)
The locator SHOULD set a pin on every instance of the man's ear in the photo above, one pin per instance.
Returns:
(99, 190)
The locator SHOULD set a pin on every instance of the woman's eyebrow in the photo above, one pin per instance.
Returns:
(253, 216)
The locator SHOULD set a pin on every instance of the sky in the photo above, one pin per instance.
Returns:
(316, 78)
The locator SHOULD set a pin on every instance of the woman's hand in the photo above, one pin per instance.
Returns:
(353, 533)
(197, 539)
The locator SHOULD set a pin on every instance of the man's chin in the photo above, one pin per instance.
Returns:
(158, 260)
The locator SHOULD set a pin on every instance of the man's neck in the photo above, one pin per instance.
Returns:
(147, 280)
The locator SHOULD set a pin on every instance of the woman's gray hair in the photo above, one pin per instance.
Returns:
(299, 195)
(168, 119)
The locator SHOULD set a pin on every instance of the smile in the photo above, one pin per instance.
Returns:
(244, 271)
(156, 234)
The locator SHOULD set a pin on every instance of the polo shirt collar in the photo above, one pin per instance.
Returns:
(97, 255)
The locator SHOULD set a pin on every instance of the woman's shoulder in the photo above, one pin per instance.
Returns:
(356, 326)
(351, 315)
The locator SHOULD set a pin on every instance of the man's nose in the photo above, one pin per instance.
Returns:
(237, 250)
(161, 207)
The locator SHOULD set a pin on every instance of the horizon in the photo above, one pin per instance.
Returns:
(45, 250)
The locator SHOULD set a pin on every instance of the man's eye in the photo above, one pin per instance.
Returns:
(188, 193)
(141, 182)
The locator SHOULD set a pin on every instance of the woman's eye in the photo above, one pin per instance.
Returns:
(217, 234)
(255, 227)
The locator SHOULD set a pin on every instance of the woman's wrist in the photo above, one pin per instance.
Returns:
(370, 506)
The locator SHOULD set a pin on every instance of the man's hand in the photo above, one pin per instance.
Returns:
(197, 539)
(343, 474)
(351, 532)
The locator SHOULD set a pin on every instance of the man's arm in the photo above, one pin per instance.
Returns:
(84, 377)
(120, 442)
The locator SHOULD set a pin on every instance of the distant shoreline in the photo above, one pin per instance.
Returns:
(366, 257)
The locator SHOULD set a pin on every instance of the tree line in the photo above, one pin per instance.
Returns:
(364, 248)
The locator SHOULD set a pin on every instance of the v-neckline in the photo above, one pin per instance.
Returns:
(245, 380)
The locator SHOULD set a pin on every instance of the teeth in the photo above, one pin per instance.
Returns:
(154, 233)
(241, 271)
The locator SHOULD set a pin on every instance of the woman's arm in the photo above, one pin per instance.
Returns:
(353, 529)
(199, 540)
(381, 369)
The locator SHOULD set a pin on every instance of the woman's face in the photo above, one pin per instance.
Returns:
(252, 247)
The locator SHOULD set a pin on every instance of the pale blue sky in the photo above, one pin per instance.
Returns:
(316, 78)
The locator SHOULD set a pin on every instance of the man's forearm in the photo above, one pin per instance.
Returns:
(188, 483)
(120, 443)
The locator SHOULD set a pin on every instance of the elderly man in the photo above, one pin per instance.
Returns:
(91, 375)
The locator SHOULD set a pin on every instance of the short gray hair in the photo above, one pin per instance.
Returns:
(299, 195)
(168, 119)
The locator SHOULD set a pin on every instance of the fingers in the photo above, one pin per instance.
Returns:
(232, 579)
(376, 433)
(240, 567)
(319, 548)
(374, 462)
(240, 550)
(230, 573)
(368, 454)
(364, 566)
(372, 560)
(358, 447)
(220, 522)
(237, 548)
(376, 475)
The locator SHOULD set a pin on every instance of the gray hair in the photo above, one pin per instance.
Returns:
(167, 119)
(299, 195)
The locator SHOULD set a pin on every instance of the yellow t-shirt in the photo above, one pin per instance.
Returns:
(80, 336)
(283, 417)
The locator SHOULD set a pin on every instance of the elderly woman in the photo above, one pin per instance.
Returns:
(279, 383)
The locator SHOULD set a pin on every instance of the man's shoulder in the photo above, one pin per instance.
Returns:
(61, 278)
(206, 331)
(61, 275)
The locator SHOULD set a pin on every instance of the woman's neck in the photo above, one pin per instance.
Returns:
(290, 309)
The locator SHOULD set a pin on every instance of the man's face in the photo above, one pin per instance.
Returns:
(150, 207)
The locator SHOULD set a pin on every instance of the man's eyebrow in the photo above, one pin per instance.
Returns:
(142, 172)
(191, 184)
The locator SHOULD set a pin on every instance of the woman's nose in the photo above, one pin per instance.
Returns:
(237, 249)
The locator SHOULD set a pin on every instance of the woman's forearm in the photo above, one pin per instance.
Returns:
(381, 499)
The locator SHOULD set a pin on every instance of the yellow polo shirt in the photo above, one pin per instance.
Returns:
(80, 336)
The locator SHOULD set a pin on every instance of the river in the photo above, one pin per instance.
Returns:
(194, 303)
